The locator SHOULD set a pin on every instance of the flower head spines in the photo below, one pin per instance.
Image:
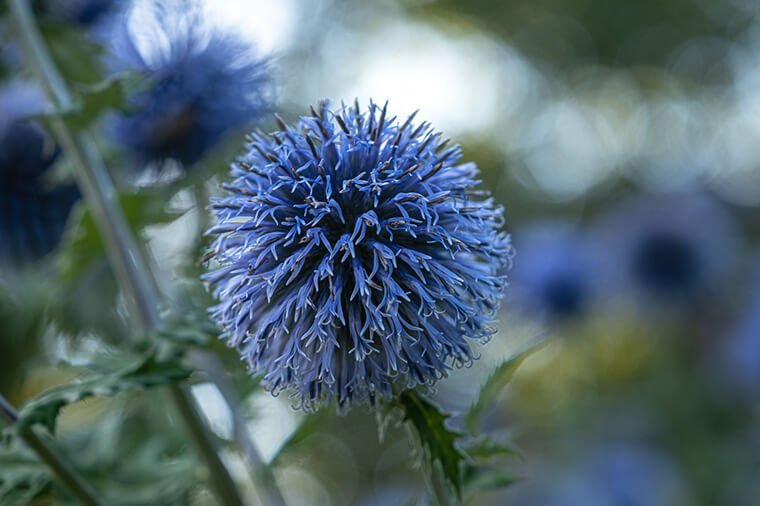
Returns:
(355, 252)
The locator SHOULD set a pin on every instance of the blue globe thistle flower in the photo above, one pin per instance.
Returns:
(203, 83)
(33, 213)
(355, 252)
(671, 249)
(559, 272)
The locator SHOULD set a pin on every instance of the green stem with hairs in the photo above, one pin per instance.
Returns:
(40, 444)
(126, 258)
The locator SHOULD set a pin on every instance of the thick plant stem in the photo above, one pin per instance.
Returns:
(66, 474)
(121, 247)
(261, 475)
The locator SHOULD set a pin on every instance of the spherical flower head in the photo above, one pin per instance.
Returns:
(559, 272)
(33, 213)
(671, 248)
(202, 84)
(355, 252)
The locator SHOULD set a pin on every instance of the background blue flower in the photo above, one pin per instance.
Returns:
(203, 83)
(559, 270)
(670, 248)
(33, 212)
(740, 349)
(355, 251)
(86, 12)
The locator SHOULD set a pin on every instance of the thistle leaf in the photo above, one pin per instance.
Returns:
(496, 383)
(142, 374)
(438, 442)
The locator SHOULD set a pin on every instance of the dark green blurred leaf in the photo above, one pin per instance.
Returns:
(195, 333)
(481, 479)
(77, 57)
(22, 323)
(485, 448)
(96, 99)
(84, 247)
(438, 442)
(22, 477)
(145, 372)
(495, 384)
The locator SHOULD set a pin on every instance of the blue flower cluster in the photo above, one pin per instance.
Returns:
(663, 253)
(559, 274)
(203, 83)
(33, 213)
(355, 252)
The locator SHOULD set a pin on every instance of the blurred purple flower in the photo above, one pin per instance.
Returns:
(617, 475)
(86, 13)
(355, 252)
(671, 249)
(558, 271)
(33, 212)
(203, 83)
(741, 348)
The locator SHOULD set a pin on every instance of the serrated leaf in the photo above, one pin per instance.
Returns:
(77, 56)
(485, 448)
(495, 383)
(198, 333)
(96, 99)
(478, 479)
(144, 373)
(438, 442)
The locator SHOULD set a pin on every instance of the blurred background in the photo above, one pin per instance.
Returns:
(623, 139)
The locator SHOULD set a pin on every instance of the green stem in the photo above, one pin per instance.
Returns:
(261, 475)
(40, 445)
(121, 247)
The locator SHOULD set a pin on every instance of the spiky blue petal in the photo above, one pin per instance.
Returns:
(203, 83)
(355, 253)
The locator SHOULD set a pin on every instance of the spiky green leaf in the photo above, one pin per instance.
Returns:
(438, 442)
(495, 383)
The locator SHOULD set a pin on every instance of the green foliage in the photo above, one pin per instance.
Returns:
(495, 383)
(438, 442)
(77, 57)
(84, 246)
(469, 463)
(96, 99)
(23, 477)
(21, 325)
(143, 373)
(83, 268)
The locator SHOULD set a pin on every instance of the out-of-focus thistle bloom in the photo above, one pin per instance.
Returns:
(203, 83)
(559, 270)
(741, 349)
(355, 253)
(672, 248)
(619, 475)
(85, 12)
(33, 213)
